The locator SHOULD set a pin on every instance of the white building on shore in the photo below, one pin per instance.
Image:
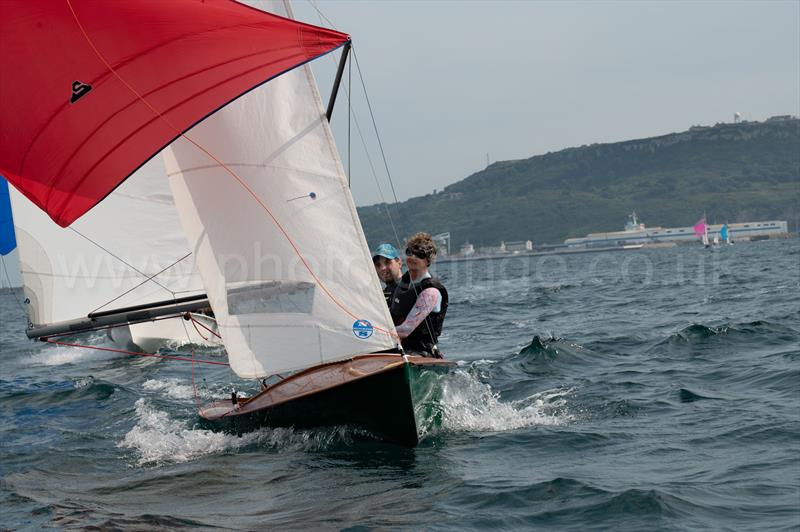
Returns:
(635, 233)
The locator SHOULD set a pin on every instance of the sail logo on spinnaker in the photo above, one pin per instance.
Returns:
(79, 90)
(362, 329)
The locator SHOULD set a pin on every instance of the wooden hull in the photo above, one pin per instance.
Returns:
(391, 396)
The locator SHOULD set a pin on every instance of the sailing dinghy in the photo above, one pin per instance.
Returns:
(128, 252)
(701, 231)
(725, 234)
(256, 180)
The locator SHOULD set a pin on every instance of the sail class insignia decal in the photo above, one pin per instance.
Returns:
(79, 90)
(362, 329)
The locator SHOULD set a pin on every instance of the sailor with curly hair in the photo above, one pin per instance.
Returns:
(420, 301)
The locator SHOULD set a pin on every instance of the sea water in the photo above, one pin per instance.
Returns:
(650, 389)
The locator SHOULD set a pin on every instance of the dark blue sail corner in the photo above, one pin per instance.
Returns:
(8, 240)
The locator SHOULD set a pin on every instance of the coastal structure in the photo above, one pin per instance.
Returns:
(635, 233)
(516, 246)
(442, 241)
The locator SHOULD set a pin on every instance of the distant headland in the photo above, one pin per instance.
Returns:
(733, 172)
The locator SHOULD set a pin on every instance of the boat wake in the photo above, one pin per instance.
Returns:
(471, 405)
(158, 438)
(59, 355)
(177, 389)
(466, 404)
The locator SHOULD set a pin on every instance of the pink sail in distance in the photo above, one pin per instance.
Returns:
(700, 228)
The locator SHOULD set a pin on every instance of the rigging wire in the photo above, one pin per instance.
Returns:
(248, 189)
(380, 145)
(147, 278)
(375, 127)
(411, 283)
(123, 261)
(143, 282)
(193, 360)
(361, 135)
(196, 323)
(349, 116)
(12, 288)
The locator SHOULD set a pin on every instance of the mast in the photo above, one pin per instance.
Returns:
(338, 80)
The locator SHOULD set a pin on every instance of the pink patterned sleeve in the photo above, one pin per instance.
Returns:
(426, 303)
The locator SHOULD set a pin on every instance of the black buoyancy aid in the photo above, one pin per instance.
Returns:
(388, 292)
(422, 339)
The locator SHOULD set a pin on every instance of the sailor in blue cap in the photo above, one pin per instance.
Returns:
(388, 267)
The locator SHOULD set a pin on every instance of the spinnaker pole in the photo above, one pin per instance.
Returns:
(128, 315)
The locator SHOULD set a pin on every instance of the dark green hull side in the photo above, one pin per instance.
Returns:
(396, 405)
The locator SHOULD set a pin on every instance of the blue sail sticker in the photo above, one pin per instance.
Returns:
(362, 329)
(7, 239)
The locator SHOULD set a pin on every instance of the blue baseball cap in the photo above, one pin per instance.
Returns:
(385, 250)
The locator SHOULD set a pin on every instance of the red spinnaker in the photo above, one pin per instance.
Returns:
(74, 74)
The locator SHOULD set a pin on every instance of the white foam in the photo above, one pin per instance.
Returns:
(83, 382)
(61, 355)
(479, 362)
(471, 405)
(174, 388)
(58, 355)
(157, 438)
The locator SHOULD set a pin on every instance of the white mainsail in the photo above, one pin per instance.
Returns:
(133, 234)
(288, 274)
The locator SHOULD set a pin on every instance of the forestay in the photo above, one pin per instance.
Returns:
(288, 274)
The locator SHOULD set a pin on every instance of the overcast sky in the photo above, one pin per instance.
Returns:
(451, 81)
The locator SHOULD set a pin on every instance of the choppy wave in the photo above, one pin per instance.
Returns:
(471, 405)
(158, 438)
(53, 393)
(688, 396)
(698, 332)
(669, 405)
(57, 355)
(175, 388)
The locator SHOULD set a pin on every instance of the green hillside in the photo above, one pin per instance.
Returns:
(733, 172)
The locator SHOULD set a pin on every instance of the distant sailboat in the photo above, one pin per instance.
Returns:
(725, 235)
(701, 230)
